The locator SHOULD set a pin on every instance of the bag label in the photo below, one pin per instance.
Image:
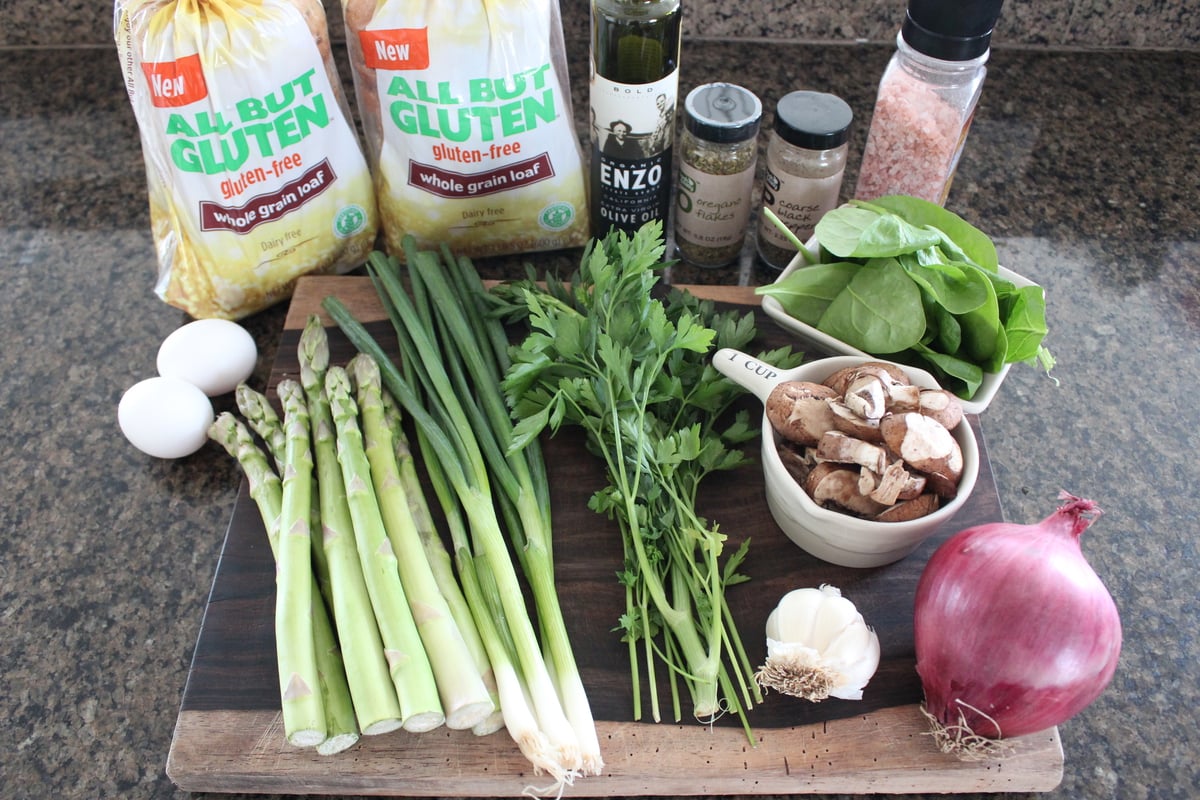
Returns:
(447, 183)
(267, 207)
(395, 48)
(175, 83)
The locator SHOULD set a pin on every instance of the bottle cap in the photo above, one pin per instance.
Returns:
(951, 30)
(722, 112)
(813, 120)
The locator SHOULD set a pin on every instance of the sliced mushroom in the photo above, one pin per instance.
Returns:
(846, 421)
(832, 484)
(866, 396)
(914, 485)
(799, 411)
(889, 373)
(910, 509)
(868, 482)
(892, 482)
(797, 460)
(903, 397)
(837, 446)
(926, 446)
(942, 406)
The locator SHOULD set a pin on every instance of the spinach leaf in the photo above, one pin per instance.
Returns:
(1025, 325)
(956, 374)
(879, 311)
(984, 340)
(972, 242)
(853, 232)
(808, 291)
(958, 288)
(945, 334)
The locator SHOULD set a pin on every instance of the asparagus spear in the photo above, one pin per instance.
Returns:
(440, 562)
(465, 698)
(267, 493)
(261, 416)
(371, 686)
(416, 688)
(263, 420)
(299, 682)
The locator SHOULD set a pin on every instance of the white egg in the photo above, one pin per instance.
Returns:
(214, 354)
(165, 417)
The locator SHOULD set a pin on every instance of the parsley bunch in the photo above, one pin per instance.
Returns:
(606, 353)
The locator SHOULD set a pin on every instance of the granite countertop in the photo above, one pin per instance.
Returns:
(1081, 165)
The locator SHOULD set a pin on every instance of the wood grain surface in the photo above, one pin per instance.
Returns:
(228, 736)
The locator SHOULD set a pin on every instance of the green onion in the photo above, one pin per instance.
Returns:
(451, 393)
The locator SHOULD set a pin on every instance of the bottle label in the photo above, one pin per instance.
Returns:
(798, 202)
(713, 210)
(632, 132)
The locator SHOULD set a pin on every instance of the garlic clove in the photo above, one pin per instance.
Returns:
(818, 646)
(794, 619)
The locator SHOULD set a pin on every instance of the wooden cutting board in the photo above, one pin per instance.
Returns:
(228, 737)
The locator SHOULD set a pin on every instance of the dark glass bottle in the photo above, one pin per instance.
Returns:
(634, 88)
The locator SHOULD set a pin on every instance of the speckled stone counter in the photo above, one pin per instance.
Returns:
(1082, 166)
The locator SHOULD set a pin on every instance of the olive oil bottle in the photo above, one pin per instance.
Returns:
(634, 88)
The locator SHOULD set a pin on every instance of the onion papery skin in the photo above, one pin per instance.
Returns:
(1014, 631)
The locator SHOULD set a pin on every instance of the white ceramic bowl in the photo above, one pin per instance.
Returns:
(830, 535)
(976, 405)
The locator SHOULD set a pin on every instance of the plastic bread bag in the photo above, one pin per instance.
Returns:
(466, 107)
(255, 171)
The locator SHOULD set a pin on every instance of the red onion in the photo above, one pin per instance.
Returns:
(1015, 632)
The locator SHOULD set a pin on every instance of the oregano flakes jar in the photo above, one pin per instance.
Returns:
(718, 154)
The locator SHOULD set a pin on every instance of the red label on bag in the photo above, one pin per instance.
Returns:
(175, 83)
(457, 185)
(267, 207)
(396, 48)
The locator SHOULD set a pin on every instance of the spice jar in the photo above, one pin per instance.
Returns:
(926, 99)
(718, 153)
(806, 157)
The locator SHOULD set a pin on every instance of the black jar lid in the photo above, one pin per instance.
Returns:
(951, 30)
(722, 112)
(813, 120)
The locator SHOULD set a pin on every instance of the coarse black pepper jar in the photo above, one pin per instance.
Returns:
(718, 155)
(806, 158)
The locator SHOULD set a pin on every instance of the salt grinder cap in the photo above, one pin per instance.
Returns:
(722, 112)
(813, 120)
(951, 30)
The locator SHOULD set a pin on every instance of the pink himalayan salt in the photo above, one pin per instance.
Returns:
(914, 142)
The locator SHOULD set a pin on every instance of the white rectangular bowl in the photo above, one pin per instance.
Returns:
(976, 405)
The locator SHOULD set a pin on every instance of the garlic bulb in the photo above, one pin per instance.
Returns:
(818, 646)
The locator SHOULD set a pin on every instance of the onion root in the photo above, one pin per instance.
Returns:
(961, 741)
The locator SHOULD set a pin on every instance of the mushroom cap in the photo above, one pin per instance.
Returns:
(799, 411)
(926, 446)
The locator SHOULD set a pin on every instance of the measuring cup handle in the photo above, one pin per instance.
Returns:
(746, 371)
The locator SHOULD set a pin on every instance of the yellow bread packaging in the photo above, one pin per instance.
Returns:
(255, 172)
(467, 114)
